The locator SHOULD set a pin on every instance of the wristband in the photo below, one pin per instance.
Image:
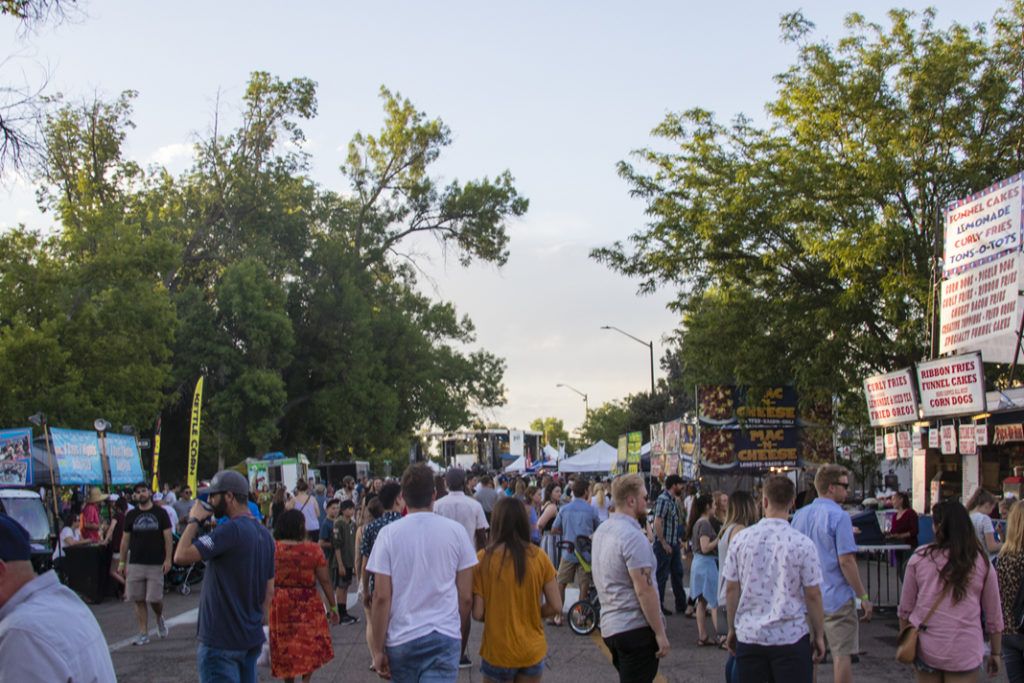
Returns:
(193, 520)
(333, 608)
(121, 564)
(864, 598)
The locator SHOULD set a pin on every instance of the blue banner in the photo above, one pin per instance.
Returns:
(123, 456)
(15, 457)
(78, 456)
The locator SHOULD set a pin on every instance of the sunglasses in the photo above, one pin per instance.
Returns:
(844, 484)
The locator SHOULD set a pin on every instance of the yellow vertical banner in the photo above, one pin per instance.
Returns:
(156, 456)
(193, 440)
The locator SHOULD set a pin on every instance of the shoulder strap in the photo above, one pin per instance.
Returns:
(935, 606)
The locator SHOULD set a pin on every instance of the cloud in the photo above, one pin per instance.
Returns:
(175, 155)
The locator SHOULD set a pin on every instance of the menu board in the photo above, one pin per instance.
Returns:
(952, 386)
(891, 398)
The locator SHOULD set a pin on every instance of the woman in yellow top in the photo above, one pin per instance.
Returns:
(507, 586)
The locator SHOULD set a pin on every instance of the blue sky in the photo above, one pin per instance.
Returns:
(557, 92)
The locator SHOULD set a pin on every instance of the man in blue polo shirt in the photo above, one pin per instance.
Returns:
(238, 584)
(578, 518)
(828, 525)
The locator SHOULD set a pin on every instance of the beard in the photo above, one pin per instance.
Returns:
(220, 508)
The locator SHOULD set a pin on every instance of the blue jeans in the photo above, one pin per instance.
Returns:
(1013, 657)
(778, 663)
(670, 564)
(217, 665)
(428, 659)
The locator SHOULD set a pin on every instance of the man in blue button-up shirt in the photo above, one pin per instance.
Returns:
(826, 523)
(578, 518)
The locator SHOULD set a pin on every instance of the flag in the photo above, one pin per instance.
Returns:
(156, 456)
(193, 441)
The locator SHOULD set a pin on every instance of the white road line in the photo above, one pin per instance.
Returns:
(189, 617)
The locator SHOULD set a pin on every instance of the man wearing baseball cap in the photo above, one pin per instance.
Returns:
(239, 580)
(46, 632)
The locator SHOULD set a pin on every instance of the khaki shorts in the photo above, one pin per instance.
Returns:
(841, 633)
(572, 573)
(144, 583)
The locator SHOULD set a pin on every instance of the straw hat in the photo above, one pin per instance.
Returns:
(95, 495)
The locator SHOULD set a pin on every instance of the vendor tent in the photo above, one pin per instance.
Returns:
(598, 458)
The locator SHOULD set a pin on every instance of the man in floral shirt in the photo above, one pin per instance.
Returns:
(772, 573)
(391, 499)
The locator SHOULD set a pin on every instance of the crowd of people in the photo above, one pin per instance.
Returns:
(428, 554)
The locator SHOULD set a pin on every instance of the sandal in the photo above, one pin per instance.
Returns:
(706, 642)
(723, 642)
(554, 621)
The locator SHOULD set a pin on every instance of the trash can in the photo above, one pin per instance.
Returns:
(86, 568)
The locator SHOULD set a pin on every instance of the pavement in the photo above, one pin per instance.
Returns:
(571, 658)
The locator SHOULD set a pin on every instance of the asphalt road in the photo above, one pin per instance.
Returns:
(571, 658)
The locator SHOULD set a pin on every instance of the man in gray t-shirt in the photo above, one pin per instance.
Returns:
(623, 567)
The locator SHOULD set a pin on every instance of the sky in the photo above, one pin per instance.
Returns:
(555, 92)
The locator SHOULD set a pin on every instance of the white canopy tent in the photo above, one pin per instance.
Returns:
(518, 465)
(598, 458)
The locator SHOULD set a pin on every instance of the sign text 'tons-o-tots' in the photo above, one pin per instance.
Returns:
(952, 386)
(891, 398)
(982, 226)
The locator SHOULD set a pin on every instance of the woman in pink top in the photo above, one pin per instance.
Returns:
(951, 647)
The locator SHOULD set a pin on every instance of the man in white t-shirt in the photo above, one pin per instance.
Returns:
(423, 569)
(773, 588)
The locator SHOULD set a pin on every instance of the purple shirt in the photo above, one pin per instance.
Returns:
(953, 640)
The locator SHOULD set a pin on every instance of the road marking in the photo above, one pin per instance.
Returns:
(189, 617)
(595, 636)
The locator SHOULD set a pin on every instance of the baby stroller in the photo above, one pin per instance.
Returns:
(181, 577)
(584, 614)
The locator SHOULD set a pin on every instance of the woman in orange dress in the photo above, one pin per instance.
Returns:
(300, 639)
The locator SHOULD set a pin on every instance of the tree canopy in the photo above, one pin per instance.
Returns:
(804, 250)
(293, 300)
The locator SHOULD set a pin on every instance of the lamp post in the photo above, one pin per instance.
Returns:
(586, 407)
(101, 426)
(39, 420)
(649, 345)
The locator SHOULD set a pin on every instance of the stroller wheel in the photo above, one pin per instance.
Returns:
(185, 589)
(582, 617)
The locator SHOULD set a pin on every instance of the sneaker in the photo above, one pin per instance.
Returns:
(141, 639)
(464, 663)
(349, 619)
(161, 627)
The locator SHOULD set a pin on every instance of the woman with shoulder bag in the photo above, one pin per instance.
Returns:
(947, 586)
(1010, 572)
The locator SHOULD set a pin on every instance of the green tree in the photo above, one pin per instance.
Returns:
(89, 299)
(554, 431)
(803, 251)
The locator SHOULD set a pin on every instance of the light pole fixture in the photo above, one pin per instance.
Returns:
(649, 345)
(586, 406)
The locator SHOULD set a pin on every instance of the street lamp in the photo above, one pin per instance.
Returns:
(586, 407)
(649, 345)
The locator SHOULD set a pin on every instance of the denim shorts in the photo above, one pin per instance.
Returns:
(501, 673)
(924, 668)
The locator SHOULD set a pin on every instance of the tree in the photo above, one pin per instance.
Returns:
(554, 431)
(804, 251)
(85, 328)
(292, 300)
(21, 104)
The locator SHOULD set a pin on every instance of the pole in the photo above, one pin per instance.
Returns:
(53, 482)
(651, 345)
(648, 344)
